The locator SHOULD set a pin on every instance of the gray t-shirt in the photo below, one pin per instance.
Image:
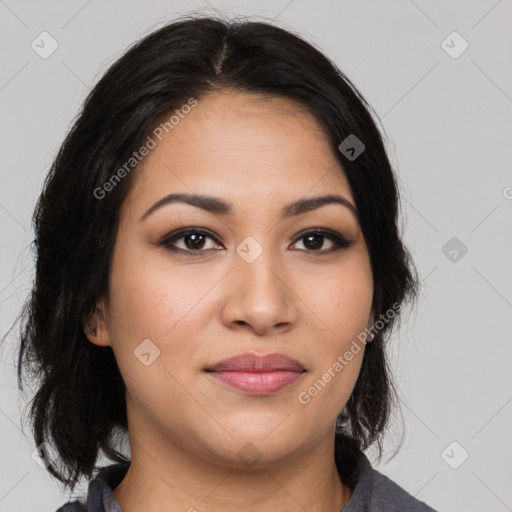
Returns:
(371, 491)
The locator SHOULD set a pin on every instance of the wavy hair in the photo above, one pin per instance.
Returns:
(79, 402)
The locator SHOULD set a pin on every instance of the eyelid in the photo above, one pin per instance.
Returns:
(339, 240)
(183, 232)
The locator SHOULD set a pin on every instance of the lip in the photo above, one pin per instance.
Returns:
(255, 363)
(257, 375)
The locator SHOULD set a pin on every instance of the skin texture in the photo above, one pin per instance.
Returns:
(187, 430)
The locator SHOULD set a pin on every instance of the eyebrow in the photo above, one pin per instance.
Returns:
(218, 206)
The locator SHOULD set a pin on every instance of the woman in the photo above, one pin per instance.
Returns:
(218, 267)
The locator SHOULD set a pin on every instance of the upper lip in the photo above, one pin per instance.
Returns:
(256, 363)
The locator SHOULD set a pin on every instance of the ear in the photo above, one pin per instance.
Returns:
(95, 325)
(371, 322)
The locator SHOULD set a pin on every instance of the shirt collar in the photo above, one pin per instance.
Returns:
(100, 496)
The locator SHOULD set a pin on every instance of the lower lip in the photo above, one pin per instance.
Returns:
(257, 383)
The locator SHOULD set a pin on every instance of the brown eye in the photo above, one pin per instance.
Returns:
(191, 240)
(314, 240)
(195, 240)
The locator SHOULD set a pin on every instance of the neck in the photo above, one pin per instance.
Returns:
(171, 478)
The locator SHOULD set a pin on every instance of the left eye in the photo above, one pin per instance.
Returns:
(315, 239)
(194, 241)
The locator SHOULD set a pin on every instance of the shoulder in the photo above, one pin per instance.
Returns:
(73, 506)
(100, 496)
(371, 490)
(386, 495)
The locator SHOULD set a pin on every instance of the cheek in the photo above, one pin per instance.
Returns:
(149, 297)
(148, 302)
(342, 300)
(349, 311)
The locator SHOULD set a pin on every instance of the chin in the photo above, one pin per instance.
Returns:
(254, 448)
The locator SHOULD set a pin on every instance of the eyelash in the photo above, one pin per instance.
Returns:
(340, 242)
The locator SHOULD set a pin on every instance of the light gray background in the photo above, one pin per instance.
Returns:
(449, 124)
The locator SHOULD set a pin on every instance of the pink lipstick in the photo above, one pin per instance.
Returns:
(257, 375)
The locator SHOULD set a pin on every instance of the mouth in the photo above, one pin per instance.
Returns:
(257, 375)
(255, 363)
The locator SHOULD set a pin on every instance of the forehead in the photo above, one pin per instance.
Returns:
(241, 146)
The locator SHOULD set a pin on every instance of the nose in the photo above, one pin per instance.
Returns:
(259, 296)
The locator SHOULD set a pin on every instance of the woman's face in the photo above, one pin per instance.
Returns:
(252, 281)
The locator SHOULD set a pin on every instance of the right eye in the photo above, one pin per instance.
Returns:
(194, 240)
